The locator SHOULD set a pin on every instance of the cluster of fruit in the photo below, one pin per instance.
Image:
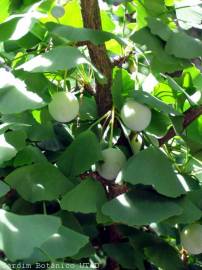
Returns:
(64, 107)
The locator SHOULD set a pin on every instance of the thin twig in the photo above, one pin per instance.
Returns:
(189, 116)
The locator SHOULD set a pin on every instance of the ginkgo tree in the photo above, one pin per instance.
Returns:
(101, 134)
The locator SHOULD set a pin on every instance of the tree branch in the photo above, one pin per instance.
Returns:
(190, 116)
(98, 54)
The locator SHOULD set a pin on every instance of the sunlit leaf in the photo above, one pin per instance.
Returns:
(159, 172)
(14, 95)
(7, 151)
(69, 33)
(54, 60)
(140, 207)
(17, 229)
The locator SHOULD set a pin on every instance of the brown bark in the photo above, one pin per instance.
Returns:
(190, 116)
(98, 54)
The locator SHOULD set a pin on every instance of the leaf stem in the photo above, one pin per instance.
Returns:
(112, 127)
(100, 119)
(65, 78)
(44, 208)
(47, 255)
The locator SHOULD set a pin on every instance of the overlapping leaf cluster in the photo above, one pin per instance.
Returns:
(54, 206)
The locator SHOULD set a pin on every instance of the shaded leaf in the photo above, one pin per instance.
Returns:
(190, 214)
(184, 46)
(161, 61)
(140, 207)
(87, 108)
(16, 138)
(29, 155)
(122, 87)
(159, 172)
(122, 253)
(64, 243)
(159, 124)
(4, 189)
(158, 28)
(84, 197)
(164, 256)
(81, 154)
(194, 130)
(175, 86)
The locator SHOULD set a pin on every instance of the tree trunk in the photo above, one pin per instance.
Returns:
(98, 54)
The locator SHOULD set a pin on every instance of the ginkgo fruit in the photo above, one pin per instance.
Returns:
(113, 161)
(64, 107)
(135, 116)
(136, 143)
(58, 11)
(191, 238)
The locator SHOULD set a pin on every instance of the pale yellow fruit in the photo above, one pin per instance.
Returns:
(191, 238)
(135, 116)
(64, 107)
(58, 11)
(113, 161)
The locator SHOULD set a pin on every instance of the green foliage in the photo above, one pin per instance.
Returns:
(38, 182)
(55, 206)
(141, 207)
(79, 157)
(13, 89)
(68, 33)
(66, 243)
(16, 229)
(4, 189)
(123, 87)
(159, 173)
(85, 194)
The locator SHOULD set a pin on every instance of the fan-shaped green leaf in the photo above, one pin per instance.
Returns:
(159, 172)
(39, 182)
(86, 197)
(69, 33)
(14, 95)
(15, 232)
(81, 154)
(140, 207)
